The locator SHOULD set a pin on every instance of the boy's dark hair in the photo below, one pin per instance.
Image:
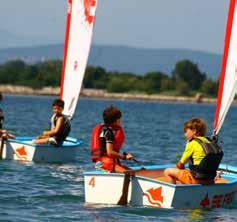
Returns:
(58, 102)
(111, 114)
(196, 124)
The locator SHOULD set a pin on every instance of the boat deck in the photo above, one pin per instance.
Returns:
(155, 173)
(69, 142)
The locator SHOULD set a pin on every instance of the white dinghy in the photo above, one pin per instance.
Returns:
(144, 188)
(79, 28)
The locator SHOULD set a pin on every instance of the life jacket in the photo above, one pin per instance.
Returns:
(210, 163)
(97, 150)
(65, 130)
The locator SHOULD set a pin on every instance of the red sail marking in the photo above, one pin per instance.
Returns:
(88, 4)
(75, 65)
(154, 195)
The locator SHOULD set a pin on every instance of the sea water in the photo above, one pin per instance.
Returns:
(53, 192)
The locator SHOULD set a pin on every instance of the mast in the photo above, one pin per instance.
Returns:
(228, 74)
(78, 36)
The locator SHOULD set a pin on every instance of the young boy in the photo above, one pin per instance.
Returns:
(60, 126)
(202, 166)
(107, 140)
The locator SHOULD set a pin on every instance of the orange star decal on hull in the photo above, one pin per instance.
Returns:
(21, 153)
(154, 196)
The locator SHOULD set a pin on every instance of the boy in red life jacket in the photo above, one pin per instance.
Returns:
(107, 139)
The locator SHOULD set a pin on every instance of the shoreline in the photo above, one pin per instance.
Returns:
(97, 93)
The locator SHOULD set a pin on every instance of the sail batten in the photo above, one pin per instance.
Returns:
(227, 84)
(79, 28)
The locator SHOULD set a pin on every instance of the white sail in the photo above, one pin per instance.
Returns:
(79, 28)
(228, 75)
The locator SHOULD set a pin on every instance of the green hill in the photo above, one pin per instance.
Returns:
(122, 59)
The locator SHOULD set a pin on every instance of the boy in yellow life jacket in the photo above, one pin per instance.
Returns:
(203, 155)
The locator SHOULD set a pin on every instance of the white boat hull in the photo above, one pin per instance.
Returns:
(106, 188)
(22, 149)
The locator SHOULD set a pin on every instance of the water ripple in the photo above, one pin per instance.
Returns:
(52, 192)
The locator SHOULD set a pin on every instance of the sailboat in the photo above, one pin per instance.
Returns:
(145, 189)
(79, 29)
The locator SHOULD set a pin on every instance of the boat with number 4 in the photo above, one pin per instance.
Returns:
(79, 28)
(146, 188)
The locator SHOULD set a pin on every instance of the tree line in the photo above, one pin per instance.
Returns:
(185, 79)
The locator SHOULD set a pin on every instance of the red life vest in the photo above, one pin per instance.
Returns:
(97, 150)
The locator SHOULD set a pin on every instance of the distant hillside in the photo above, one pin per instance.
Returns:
(123, 59)
(12, 40)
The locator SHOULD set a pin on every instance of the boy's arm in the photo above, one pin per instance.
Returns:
(112, 153)
(57, 128)
(109, 138)
(186, 155)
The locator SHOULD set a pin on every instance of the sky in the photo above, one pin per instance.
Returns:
(189, 24)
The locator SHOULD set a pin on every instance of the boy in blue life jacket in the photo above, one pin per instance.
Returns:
(60, 126)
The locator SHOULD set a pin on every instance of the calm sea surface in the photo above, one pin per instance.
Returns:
(154, 133)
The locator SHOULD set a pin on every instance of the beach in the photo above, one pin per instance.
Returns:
(97, 93)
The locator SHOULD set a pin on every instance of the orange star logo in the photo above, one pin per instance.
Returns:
(21, 151)
(154, 196)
